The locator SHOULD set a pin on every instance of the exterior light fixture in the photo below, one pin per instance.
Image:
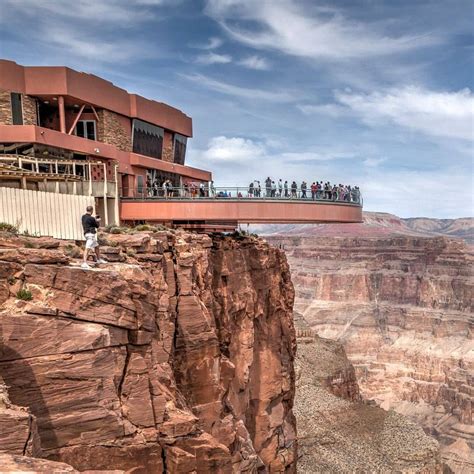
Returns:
(46, 101)
(55, 98)
(96, 150)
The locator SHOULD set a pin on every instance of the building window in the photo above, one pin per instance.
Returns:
(140, 184)
(147, 139)
(17, 112)
(180, 142)
(86, 129)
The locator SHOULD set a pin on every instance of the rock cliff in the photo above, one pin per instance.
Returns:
(379, 224)
(177, 356)
(403, 309)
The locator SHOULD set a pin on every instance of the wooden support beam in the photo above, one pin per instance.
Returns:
(62, 114)
(76, 119)
(95, 113)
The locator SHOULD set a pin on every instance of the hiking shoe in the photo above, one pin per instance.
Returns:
(86, 266)
(101, 260)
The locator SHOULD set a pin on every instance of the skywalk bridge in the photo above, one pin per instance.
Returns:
(226, 208)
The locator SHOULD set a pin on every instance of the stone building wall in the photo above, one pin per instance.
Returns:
(30, 111)
(112, 130)
(5, 108)
(28, 107)
(167, 154)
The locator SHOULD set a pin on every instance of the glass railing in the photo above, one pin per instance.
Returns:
(244, 193)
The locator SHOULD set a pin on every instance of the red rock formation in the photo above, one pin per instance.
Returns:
(178, 359)
(402, 307)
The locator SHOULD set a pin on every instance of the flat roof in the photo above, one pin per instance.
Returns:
(53, 81)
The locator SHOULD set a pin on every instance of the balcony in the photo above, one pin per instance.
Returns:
(231, 205)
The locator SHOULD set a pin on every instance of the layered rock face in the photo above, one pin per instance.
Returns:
(176, 358)
(402, 307)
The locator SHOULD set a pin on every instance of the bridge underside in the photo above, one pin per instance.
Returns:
(227, 214)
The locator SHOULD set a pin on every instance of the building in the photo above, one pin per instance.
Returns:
(70, 132)
(60, 118)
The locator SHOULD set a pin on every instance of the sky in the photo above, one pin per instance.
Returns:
(374, 93)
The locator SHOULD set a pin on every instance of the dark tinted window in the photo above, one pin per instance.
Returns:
(147, 139)
(140, 184)
(17, 113)
(86, 129)
(179, 148)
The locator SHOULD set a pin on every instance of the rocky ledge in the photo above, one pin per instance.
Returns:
(176, 357)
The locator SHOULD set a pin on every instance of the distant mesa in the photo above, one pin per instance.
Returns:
(380, 224)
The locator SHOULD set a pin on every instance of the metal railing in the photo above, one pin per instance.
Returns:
(243, 193)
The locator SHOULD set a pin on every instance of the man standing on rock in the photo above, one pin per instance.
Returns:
(90, 224)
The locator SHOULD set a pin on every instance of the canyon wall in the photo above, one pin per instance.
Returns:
(177, 356)
(403, 309)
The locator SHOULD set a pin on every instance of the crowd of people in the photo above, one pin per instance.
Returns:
(317, 190)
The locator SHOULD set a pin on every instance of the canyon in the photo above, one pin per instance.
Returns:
(176, 356)
(401, 305)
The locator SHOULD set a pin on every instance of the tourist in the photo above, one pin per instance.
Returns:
(259, 189)
(90, 224)
(294, 188)
(250, 192)
(327, 190)
(314, 190)
(285, 186)
(274, 189)
(212, 189)
(280, 188)
(202, 192)
(303, 190)
(268, 187)
(156, 187)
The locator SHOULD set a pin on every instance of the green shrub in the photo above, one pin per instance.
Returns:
(72, 251)
(143, 227)
(102, 239)
(4, 227)
(115, 229)
(24, 295)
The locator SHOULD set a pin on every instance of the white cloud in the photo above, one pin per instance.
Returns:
(212, 43)
(418, 193)
(213, 58)
(85, 29)
(320, 155)
(331, 110)
(373, 162)
(235, 149)
(88, 47)
(238, 91)
(439, 114)
(239, 150)
(312, 33)
(255, 62)
(104, 11)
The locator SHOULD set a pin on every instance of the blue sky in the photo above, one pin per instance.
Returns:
(369, 92)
